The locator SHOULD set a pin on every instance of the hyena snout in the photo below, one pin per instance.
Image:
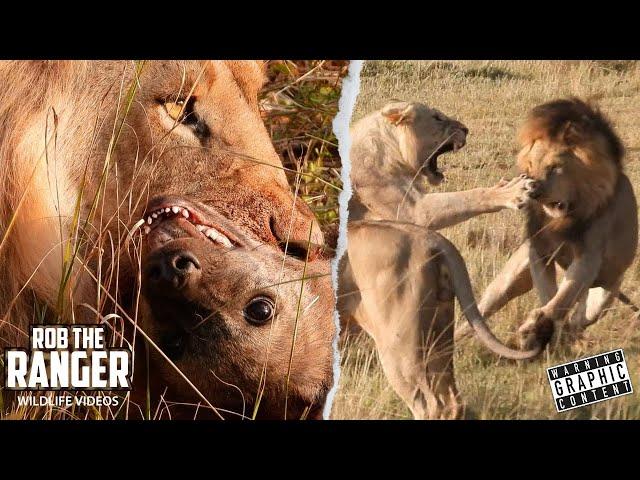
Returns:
(173, 271)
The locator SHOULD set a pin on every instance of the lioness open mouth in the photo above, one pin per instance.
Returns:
(434, 175)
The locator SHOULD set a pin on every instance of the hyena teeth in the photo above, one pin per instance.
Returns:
(167, 210)
(224, 241)
(217, 237)
(211, 233)
(154, 215)
(175, 209)
(147, 230)
(149, 220)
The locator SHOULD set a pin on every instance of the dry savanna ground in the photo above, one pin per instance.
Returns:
(491, 98)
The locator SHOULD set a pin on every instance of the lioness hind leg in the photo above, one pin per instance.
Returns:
(414, 338)
(422, 375)
(439, 361)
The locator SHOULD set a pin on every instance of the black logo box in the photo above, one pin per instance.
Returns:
(585, 364)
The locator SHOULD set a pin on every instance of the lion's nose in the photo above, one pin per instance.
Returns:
(297, 230)
(174, 270)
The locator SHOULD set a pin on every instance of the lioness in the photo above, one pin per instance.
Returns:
(87, 149)
(398, 278)
(583, 220)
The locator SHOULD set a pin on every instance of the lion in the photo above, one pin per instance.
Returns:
(583, 220)
(398, 277)
(88, 149)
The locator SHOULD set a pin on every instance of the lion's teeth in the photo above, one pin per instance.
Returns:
(154, 215)
(201, 228)
(167, 210)
(147, 230)
(149, 220)
(185, 213)
(175, 209)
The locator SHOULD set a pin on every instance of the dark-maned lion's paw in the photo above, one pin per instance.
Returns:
(536, 331)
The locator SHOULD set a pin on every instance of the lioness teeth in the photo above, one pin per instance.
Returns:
(167, 212)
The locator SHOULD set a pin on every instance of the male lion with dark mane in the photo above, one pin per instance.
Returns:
(583, 220)
(211, 282)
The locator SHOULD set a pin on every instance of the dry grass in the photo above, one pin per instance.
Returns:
(491, 98)
(299, 104)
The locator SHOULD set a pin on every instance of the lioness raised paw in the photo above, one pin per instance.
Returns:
(536, 331)
(515, 193)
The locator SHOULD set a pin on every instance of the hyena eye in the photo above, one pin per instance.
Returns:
(259, 310)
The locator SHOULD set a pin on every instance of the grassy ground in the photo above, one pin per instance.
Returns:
(491, 98)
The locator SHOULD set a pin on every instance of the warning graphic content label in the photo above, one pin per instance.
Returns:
(589, 380)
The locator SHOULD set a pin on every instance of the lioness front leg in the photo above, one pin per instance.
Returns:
(440, 210)
(579, 276)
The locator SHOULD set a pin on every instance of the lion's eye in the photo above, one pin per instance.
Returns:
(182, 111)
(259, 310)
(174, 109)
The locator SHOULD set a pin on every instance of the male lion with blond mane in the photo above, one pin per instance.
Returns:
(399, 277)
(211, 282)
(583, 220)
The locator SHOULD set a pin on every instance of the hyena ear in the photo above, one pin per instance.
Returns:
(399, 112)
